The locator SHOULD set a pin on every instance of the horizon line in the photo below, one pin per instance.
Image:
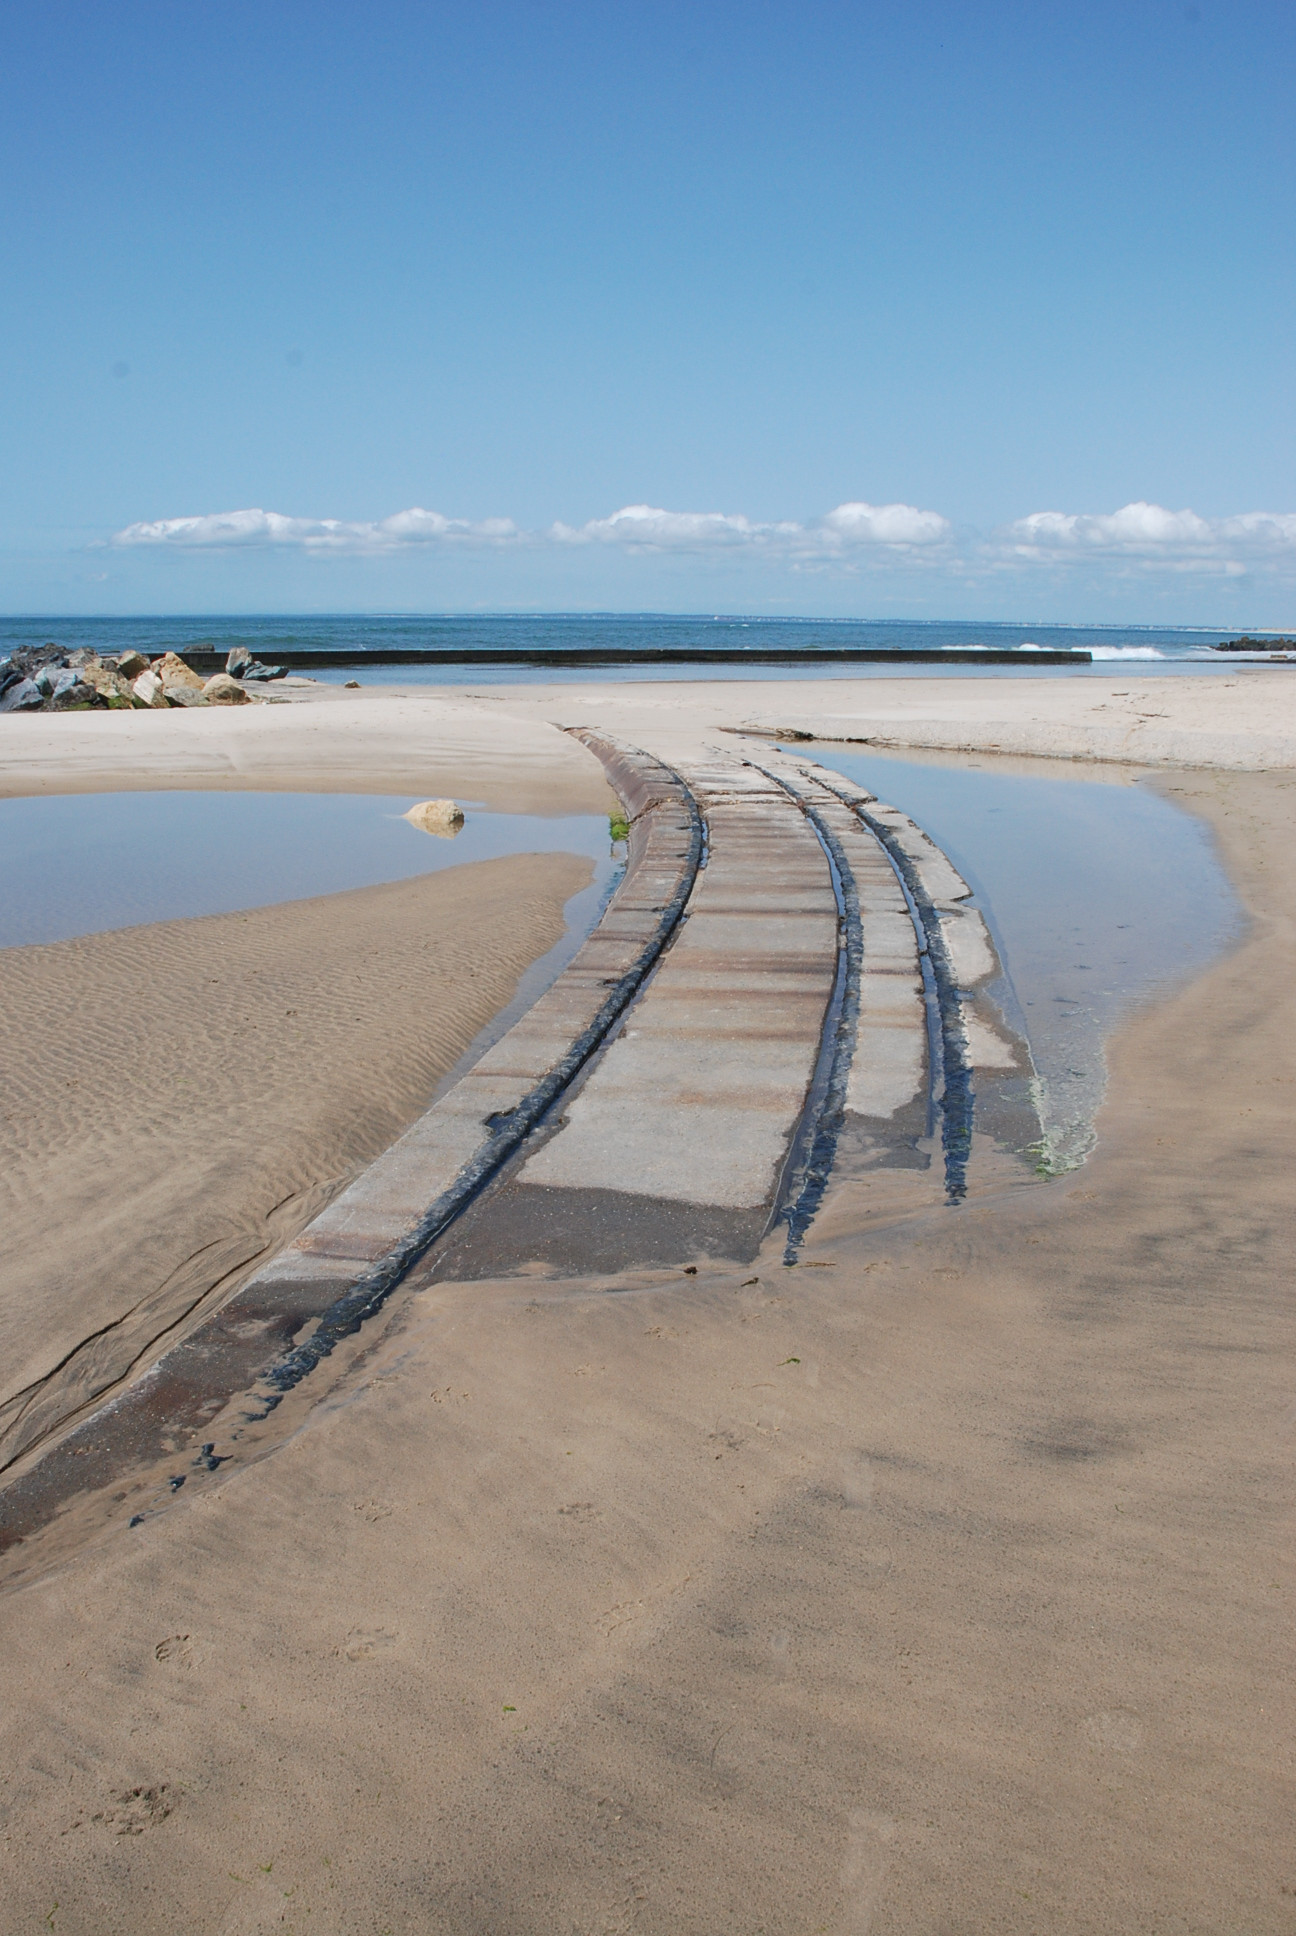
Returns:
(687, 618)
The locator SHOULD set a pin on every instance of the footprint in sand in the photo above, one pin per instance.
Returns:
(872, 1566)
(1115, 1729)
(372, 1510)
(728, 1436)
(258, 1910)
(366, 1643)
(176, 1650)
(857, 1481)
(866, 1864)
(132, 1810)
(612, 1619)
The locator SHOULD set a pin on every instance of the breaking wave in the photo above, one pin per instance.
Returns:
(1127, 652)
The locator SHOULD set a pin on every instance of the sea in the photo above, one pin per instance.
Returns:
(1151, 648)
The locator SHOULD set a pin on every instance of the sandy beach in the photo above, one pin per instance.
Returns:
(497, 745)
(225, 1077)
(942, 1583)
(373, 741)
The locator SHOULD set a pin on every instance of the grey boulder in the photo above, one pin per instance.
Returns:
(77, 695)
(23, 697)
(55, 680)
(241, 665)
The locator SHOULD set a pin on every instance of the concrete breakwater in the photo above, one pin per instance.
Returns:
(590, 657)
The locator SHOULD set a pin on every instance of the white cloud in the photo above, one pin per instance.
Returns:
(851, 527)
(1136, 527)
(1144, 534)
(850, 530)
(241, 528)
(1138, 539)
(643, 526)
(886, 524)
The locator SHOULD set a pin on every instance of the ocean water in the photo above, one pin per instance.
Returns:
(1153, 649)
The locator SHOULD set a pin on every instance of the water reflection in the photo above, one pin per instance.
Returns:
(75, 864)
(1098, 893)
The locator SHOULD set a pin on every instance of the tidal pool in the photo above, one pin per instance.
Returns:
(1099, 892)
(78, 863)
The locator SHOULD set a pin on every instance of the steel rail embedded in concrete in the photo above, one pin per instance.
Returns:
(757, 987)
(350, 1257)
(815, 1147)
(675, 1145)
(956, 944)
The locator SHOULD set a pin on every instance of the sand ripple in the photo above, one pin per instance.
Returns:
(178, 1100)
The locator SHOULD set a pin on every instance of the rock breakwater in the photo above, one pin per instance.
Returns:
(47, 679)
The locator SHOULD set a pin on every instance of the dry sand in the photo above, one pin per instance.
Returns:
(373, 742)
(945, 1587)
(498, 746)
(1245, 722)
(179, 1099)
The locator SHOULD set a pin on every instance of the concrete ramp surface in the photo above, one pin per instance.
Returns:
(779, 996)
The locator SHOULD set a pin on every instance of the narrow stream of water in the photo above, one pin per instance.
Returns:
(1099, 892)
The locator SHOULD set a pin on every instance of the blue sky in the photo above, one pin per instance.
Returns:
(952, 310)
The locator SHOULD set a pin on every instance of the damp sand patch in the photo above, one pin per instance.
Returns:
(182, 1097)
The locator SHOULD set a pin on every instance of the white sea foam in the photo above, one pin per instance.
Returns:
(1126, 652)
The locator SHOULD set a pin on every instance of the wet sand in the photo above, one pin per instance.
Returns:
(179, 1099)
(941, 1584)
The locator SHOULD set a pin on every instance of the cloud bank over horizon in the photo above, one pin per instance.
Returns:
(1149, 534)
(222, 529)
(855, 536)
(636, 527)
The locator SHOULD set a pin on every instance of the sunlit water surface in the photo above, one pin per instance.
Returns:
(1099, 891)
(74, 864)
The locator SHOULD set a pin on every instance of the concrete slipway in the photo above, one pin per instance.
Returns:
(783, 988)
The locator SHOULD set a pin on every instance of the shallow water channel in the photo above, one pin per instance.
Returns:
(1098, 891)
(79, 863)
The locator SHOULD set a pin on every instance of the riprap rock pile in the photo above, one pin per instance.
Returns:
(47, 679)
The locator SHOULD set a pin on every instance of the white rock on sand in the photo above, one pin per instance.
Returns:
(443, 818)
(148, 688)
(176, 676)
(224, 690)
